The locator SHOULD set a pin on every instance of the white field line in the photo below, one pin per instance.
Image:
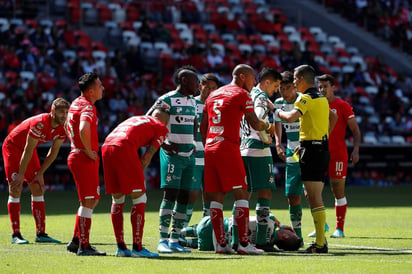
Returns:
(407, 251)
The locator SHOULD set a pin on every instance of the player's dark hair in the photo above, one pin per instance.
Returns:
(271, 73)
(87, 80)
(181, 72)
(209, 77)
(287, 77)
(290, 244)
(327, 78)
(307, 72)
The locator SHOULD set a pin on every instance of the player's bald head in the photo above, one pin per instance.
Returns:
(242, 69)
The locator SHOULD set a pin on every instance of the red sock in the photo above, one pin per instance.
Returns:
(14, 213)
(216, 215)
(242, 220)
(137, 220)
(39, 214)
(117, 221)
(76, 228)
(84, 230)
(340, 216)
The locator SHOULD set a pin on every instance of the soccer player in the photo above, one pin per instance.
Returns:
(224, 170)
(315, 122)
(21, 163)
(177, 157)
(202, 236)
(337, 147)
(257, 157)
(208, 83)
(123, 175)
(293, 182)
(83, 160)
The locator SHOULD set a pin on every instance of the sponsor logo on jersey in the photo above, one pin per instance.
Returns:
(39, 125)
(216, 129)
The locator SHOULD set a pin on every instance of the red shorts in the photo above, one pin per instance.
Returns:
(338, 167)
(122, 170)
(85, 172)
(11, 158)
(224, 169)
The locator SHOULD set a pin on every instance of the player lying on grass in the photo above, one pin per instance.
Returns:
(201, 235)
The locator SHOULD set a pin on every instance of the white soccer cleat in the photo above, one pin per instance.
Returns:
(249, 250)
(227, 249)
(163, 247)
(338, 234)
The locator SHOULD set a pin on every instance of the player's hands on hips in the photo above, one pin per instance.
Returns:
(92, 155)
(281, 151)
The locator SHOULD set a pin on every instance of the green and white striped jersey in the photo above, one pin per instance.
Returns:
(200, 150)
(182, 111)
(291, 129)
(251, 145)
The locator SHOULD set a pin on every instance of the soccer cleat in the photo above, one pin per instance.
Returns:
(313, 233)
(313, 248)
(249, 250)
(268, 248)
(73, 246)
(176, 247)
(338, 234)
(89, 251)
(227, 249)
(18, 239)
(44, 238)
(163, 247)
(144, 253)
(123, 253)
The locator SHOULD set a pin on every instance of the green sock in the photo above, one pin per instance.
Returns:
(206, 209)
(296, 219)
(262, 218)
(189, 212)
(165, 214)
(235, 233)
(178, 220)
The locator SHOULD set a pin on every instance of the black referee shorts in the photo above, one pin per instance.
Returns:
(314, 160)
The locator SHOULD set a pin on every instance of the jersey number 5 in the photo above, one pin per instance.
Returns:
(216, 104)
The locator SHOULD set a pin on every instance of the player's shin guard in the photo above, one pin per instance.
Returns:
(262, 217)
(340, 209)
(242, 220)
(85, 223)
(216, 215)
(295, 213)
(165, 215)
(178, 220)
(39, 213)
(137, 219)
(319, 219)
(117, 219)
(13, 206)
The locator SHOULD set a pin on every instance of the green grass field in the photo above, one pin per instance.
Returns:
(378, 239)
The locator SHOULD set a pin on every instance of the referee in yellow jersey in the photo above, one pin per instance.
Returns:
(316, 121)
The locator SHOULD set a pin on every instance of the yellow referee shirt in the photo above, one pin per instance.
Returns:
(314, 122)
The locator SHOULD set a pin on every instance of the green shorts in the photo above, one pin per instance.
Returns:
(205, 233)
(199, 176)
(293, 182)
(176, 171)
(259, 173)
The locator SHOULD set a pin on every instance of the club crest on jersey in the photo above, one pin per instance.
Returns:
(89, 107)
(39, 125)
(168, 178)
(334, 110)
(271, 179)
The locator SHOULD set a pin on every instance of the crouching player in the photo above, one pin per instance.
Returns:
(277, 234)
(123, 174)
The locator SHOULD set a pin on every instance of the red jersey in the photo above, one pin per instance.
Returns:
(82, 110)
(337, 144)
(38, 127)
(138, 131)
(225, 107)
